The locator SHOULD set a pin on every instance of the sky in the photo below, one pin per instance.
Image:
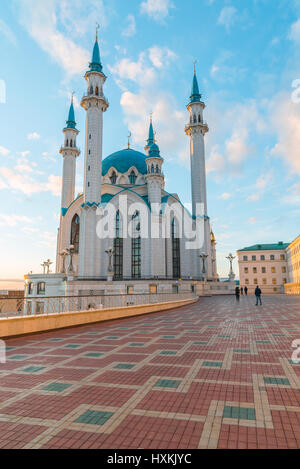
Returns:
(248, 69)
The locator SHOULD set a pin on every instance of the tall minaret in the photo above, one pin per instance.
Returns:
(196, 130)
(95, 104)
(154, 177)
(70, 152)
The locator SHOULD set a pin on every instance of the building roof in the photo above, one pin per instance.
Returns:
(195, 96)
(266, 247)
(71, 124)
(123, 160)
(95, 65)
(154, 151)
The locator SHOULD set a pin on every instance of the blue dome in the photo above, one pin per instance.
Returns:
(123, 160)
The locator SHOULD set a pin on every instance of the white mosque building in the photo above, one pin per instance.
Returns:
(130, 186)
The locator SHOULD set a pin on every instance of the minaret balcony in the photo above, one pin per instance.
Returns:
(64, 149)
(196, 125)
(94, 98)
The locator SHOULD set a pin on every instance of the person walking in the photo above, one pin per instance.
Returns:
(237, 294)
(242, 291)
(258, 295)
(246, 291)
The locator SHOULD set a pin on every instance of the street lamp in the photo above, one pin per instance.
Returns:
(203, 257)
(70, 251)
(231, 273)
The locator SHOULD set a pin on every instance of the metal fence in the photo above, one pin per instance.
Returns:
(31, 306)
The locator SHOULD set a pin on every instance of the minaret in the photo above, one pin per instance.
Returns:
(95, 104)
(154, 177)
(196, 130)
(70, 152)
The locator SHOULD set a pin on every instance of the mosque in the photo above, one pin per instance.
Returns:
(129, 186)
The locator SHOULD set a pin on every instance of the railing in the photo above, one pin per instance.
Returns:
(32, 306)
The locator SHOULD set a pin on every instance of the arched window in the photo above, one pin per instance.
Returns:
(67, 143)
(118, 248)
(199, 118)
(97, 91)
(71, 143)
(195, 119)
(152, 168)
(75, 225)
(175, 249)
(113, 178)
(132, 177)
(157, 168)
(136, 260)
(91, 90)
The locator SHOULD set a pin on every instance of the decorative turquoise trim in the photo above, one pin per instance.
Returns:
(65, 210)
(71, 124)
(90, 204)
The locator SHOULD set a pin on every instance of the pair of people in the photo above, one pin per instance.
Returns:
(257, 294)
(244, 290)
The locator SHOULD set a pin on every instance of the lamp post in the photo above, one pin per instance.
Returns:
(63, 255)
(70, 251)
(231, 273)
(110, 270)
(203, 257)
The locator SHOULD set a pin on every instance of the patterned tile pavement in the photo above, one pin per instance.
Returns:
(215, 374)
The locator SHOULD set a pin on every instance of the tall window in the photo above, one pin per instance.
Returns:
(132, 177)
(175, 249)
(118, 248)
(75, 232)
(113, 178)
(136, 263)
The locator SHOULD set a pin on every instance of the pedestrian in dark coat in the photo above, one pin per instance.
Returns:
(246, 291)
(258, 295)
(237, 294)
(242, 291)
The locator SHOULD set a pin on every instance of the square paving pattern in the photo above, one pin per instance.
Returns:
(225, 378)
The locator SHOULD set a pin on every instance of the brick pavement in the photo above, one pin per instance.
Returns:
(215, 374)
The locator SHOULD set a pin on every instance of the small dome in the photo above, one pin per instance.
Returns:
(154, 151)
(123, 160)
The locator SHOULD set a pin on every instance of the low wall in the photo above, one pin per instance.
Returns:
(292, 288)
(13, 327)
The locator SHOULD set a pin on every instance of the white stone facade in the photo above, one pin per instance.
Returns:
(160, 254)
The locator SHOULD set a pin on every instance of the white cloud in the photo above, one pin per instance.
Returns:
(7, 32)
(130, 28)
(13, 220)
(149, 97)
(228, 17)
(161, 56)
(287, 130)
(41, 22)
(138, 72)
(4, 151)
(156, 9)
(21, 179)
(253, 198)
(33, 136)
(294, 33)
(225, 196)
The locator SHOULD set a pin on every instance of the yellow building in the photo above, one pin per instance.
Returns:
(264, 265)
(293, 262)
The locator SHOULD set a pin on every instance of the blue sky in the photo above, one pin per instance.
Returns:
(247, 63)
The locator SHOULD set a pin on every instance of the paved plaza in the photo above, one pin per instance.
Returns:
(215, 374)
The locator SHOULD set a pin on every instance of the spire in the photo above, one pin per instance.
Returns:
(95, 65)
(71, 124)
(151, 139)
(195, 96)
